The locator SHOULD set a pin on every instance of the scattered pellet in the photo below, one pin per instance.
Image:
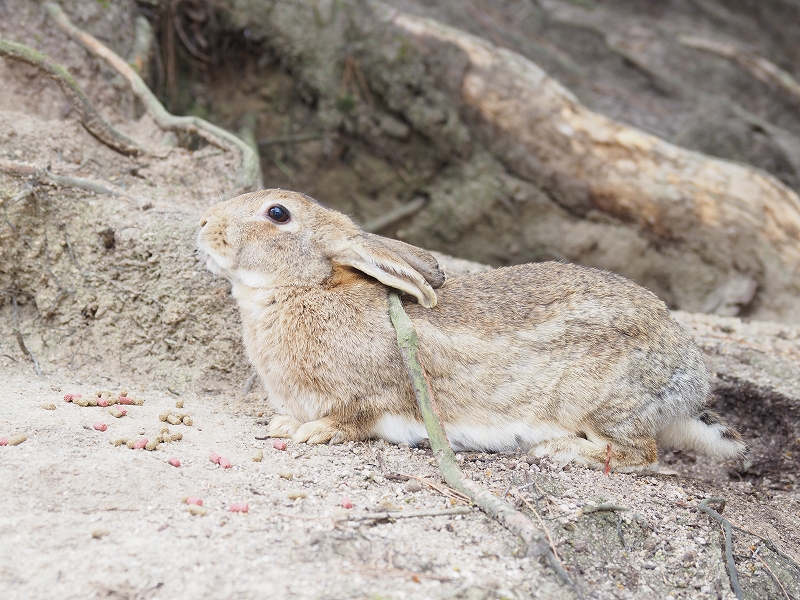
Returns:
(174, 461)
(346, 502)
(139, 444)
(151, 445)
(279, 445)
(92, 401)
(100, 426)
(174, 437)
(225, 463)
(130, 444)
(179, 404)
(173, 420)
(214, 457)
(71, 397)
(239, 507)
(120, 442)
(286, 474)
(164, 430)
(163, 416)
(16, 440)
(102, 402)
(258, 455)
(187, 420)
(138, 402)
(81, 402)
(123, 393)
(125, 400)
(99, 533)
(3, 441)
(193, 500)
(49, 406)
(295, 494)
(115, 412)
(198, 511)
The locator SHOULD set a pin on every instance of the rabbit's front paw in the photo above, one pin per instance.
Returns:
(283, 426)
(322, 431)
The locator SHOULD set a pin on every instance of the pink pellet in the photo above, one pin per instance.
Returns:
(239, 507)
(346, 502)
(175, 462)
(125, 400)
(194, 500)
(102, 402)
(225, 463)
(100, 426)
(279, 445)
(71, 397)
(124, 411)
(3, 441)
(214, 457)
(138, 445)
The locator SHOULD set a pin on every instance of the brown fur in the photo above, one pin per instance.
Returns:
(543, 346)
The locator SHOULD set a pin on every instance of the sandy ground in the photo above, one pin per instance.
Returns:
(83, 518)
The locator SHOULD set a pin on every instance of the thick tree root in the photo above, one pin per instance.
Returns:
(496, 507)
(249, 172)
(91, 119)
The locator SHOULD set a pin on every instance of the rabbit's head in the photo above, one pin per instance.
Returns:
(277, 238)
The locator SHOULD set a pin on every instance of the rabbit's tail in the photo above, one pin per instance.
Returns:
(707, 433)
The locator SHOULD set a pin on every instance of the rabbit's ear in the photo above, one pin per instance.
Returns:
(369, 255)
(422, 261)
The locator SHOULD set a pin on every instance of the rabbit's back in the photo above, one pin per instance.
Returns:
(558, 343)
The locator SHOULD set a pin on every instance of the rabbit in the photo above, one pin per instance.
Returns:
(564, 361)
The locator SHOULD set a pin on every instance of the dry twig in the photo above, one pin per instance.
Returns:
(448, 466)
(90, 118)
(726, 526)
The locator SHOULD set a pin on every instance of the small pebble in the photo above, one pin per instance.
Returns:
(214, 457)
(100, 533)
(412, 485)
(295, 495)
(50, 406)
(179, 404)
(346, 502)
(239, 507)
(193, 500)
(258, 455)
(139, 444)
(16, 440)
(198, 510)
(174, 461)
(225, 463)
(187, 420)
(279, 445)
(100, 426)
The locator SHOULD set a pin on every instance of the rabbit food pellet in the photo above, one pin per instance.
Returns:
(225, 463)
(116, 412)
(179, 404)
(193, 500)
(198, 510)
(100, 426)
(346, 502)
(257, 456)
(296, 495)
(151, 445)
(174, 461)
(120, 442)
(50, 406)
(3, 441)
(14, 440)
(214, 457)
(239, 507)
(139, 444)
(187, 420)
(175, 437)
(279, 445)
(173, 420)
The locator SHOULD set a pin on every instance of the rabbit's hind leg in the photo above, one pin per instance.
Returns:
(627, 456)
(283, 426)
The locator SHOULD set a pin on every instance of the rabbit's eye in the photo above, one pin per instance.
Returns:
(278, 213)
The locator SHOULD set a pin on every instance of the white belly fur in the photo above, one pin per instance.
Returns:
(465, 437)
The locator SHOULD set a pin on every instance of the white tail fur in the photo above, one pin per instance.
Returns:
(706, 434)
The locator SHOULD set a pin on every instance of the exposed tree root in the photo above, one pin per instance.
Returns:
(497, 508)
(19, 169)
(249, 172)
(91, 119)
